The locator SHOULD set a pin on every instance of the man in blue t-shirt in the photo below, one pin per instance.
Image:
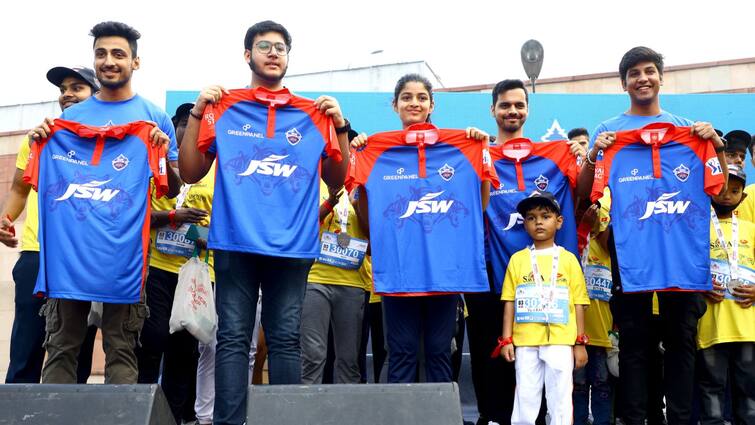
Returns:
(115, 59)
(270, 146)
(641, 73)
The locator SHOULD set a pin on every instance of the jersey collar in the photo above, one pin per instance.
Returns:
(656, 133)
(272, 98)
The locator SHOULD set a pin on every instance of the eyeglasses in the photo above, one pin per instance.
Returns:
(265, 47)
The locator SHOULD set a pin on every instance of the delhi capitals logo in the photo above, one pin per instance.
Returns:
(293, 136)
(446, 172)
(682, 173)
(120, 162)
(541, 182)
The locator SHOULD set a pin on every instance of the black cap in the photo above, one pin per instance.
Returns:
(737, 141)
(737, 172)
(182, 111)
(537, 198)
(59, 73)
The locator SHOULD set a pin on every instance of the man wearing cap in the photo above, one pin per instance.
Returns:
(737, 144)
(76, 84)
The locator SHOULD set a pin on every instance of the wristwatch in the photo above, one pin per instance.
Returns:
(582, 339)
(345, 129)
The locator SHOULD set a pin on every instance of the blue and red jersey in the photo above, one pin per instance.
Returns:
(660, 178)
(94, 209)
(425, 209)
(549, 166)
(268, 147)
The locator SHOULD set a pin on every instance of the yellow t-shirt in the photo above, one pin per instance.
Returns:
(366, 272)
(29, 241)
(746, 210)
(332, 275)
(598, 318)
(727, 321)
(199, 196)
(519, 273)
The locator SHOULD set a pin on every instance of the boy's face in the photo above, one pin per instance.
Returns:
(736, 157)
(733, 194)
(643, 82)
(541, 223)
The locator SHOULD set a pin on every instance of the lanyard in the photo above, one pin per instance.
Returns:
(539, 279)
(182, 195)
(342, 209)
(733, 256)
(536, 269)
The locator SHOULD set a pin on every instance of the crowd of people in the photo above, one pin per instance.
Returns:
(600, 279)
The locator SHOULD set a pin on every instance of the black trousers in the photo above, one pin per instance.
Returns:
(178, 352)
(493, 379)
(679, 313)
(733, 362)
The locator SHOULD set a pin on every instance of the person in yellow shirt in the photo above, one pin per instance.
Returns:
(746, 211)
(543, 317)
(726, 332)
(27, 352)
(592, 390)
(335, 295)
(173, 356)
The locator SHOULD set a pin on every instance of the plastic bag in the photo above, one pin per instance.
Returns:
(194, 302)
(612, 360)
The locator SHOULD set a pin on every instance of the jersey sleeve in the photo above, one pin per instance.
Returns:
(600, 181)
(22, 158)
(714, 176)
(488, 170)
(509, 285)
(206, 137)
(167, 127)
(31, 172)
(158, 158)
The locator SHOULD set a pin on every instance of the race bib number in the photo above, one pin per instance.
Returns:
(599, 282)
(349, 257)
(174, 242)
(719, 270)
(551, 305)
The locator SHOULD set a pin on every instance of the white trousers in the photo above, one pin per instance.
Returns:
(551, 365)
(205, 401)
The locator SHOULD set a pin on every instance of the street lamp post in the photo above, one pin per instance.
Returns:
(532, 60)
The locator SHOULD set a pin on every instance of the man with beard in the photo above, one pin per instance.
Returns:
(493, 377)
(115, 59)
(265, 208)
(27, 337)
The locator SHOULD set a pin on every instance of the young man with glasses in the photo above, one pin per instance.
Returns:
(269, 145)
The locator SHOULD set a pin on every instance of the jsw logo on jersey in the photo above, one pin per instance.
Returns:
(663, 205)
(427, 205)
(514, 219)
(270, 167)
(89, 190)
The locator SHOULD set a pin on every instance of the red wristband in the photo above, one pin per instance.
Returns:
(172, 218)
(327, 205)
(502, 342)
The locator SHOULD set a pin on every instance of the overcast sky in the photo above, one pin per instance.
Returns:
(189, 44)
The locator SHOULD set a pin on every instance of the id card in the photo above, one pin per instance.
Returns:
(174, 242)
(348, 257)
(549, 306)
(599, 282)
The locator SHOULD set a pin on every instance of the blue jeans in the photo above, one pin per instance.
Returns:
(593, 377)
(409, 318)
(28, 333)
(239, 277)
